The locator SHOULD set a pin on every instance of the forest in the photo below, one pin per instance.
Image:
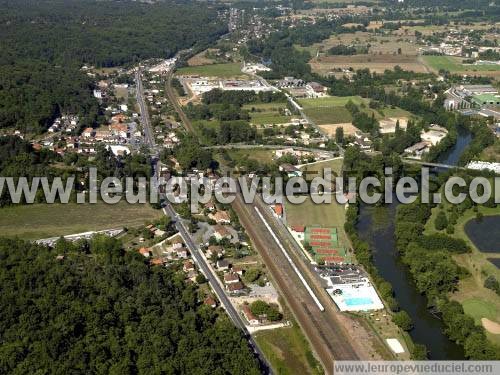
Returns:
(91, 307)
(45, 43)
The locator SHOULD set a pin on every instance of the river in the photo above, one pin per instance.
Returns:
(376, 226)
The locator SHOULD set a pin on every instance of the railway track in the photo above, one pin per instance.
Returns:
(326, 335)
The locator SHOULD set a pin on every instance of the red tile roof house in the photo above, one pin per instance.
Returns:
(215, 249)
(221, 217)
(237, 270)
(249, 316)
(209, 301)
(144, 252)
(234, 288)
(231, 278)
(188, 266)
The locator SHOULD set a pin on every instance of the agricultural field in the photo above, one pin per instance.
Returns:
(43, 220)
(267, 113)
(230, 70)
(200, 59)
(454, 65)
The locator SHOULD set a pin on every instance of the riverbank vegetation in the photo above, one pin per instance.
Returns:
(430, 258)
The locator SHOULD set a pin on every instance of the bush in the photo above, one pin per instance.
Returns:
(403, 320)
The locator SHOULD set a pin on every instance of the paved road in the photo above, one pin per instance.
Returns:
(145, 120)
(212, 279)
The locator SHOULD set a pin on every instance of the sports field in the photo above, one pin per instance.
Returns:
(49, 220)
(214, 70)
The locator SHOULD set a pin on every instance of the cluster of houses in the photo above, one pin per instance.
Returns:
(65, 123)
(303, 136)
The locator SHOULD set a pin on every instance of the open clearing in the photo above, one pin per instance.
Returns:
(230, 70)
(266, 113)
(331, 101)
(200, 59)
(454, 65)
(308, 214)
(330, 129)
(288, 351)
(50, 220)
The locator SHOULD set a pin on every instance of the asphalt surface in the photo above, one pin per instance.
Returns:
(212, 280)
(145, 119)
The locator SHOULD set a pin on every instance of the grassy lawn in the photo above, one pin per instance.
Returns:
(454, 65)
(259, 155)
(266, 113)
(317, 168)
(43, 220)
(329, 115)
(214, 70)
(288, 351)
(330, 101)
(309, 213)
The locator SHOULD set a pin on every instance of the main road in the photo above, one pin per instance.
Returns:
(188, 240)
(145, 119)
(214, 283)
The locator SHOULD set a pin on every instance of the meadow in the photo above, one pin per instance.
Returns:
(50, 220)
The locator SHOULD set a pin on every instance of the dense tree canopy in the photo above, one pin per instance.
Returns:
(45, 43)
(102, 310)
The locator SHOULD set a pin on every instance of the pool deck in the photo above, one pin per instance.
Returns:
(355, 297)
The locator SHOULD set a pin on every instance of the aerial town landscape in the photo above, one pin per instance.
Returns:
(156, 95)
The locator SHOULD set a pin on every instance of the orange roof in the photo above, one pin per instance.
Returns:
(278, 208)
(144, 250)
(157, 262)
(209, 301)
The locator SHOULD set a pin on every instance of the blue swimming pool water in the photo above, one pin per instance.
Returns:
(357, 301)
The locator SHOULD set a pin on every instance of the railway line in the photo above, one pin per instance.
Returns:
(327, 337)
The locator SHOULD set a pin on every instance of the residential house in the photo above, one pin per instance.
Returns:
(235, 288)
(188, 266)
(222, 265)
(249, 316)
(231, 278)
(209, 301)
(221, 217)
(145, 252)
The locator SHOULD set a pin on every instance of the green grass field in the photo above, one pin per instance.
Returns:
(454, 65)
(44, 220)
(330, 101)
(288, 351)
(266, 113)
(329, 115)
(259, 155)
(214, 70)
(478, 309)
(308, 213)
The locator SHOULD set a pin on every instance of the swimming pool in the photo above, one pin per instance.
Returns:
(358, 301)
(358, 297)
